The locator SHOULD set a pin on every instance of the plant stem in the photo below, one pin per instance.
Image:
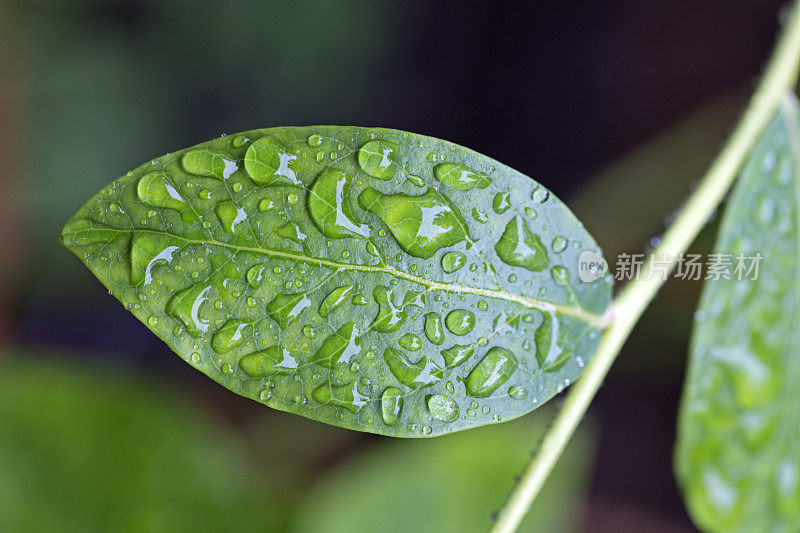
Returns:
(628, 306)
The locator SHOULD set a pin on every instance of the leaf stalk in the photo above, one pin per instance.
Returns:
(626, 309)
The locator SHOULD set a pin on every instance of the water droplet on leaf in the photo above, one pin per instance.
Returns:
(230, 335)
(268, 362)
(268, 163)
(414, 375)
(333, 300)
(391, 405)
(338, 348)
(286, 308)
(329, 206)
(442, 407)
(457, 354)
(461, 177)
(518, 246)
(378, 159)
(434, 329)
(422, 225)
(492, 371)
(460, 321)
(410, 342)
(501, 202)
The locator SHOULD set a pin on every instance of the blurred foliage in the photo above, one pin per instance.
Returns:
(89, 449)
(448, 484)
(737, 460)
(630, 201)
(105, 86)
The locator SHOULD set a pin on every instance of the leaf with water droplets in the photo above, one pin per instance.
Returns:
(368, 278)
(737, 457)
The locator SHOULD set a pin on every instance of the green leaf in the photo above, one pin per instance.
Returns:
(102, 451)
(737, 457)
(450, 484)
(333, 272)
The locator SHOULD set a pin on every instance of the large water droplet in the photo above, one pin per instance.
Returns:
(338, 348)
(553, 342)
(378, 159)
(187, 304)
(269, 163)
(422, 225)
(273, 360)
(540, 195)
(414, 375)
(559, 244)
(147, 252)
(457, 354)
(501, 202)
(390, 317)
(434, 329)
(347, 396)
(518, 246)
(560, 275)
(209, 163)
(460, 321)
(443, 407)
(230, 335)
(452, 261)
(255, 275)
(505, 323)
(230, 215)
(480, 216)
(391, 405)
(492, 371)
(156, 189)
(292, 232)
(333, 300)
(461, 177)
(329, 206)
(410, 342)
(414, 298)
(517, 392)
(415, 180)
(286, 308)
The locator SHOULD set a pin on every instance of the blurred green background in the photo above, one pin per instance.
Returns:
(615, 106)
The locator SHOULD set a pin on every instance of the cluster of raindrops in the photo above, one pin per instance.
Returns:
(421, 225)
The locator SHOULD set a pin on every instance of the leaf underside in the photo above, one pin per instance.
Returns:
(368, 278)
(737, 456)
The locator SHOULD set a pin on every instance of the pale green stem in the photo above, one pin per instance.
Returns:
(628, 306)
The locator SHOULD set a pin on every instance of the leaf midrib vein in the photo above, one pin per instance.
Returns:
(591, 318)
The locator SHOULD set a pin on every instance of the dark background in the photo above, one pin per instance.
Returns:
(615, 106)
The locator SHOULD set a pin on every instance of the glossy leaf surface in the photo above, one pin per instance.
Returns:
(737, 456)
(335, 273)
